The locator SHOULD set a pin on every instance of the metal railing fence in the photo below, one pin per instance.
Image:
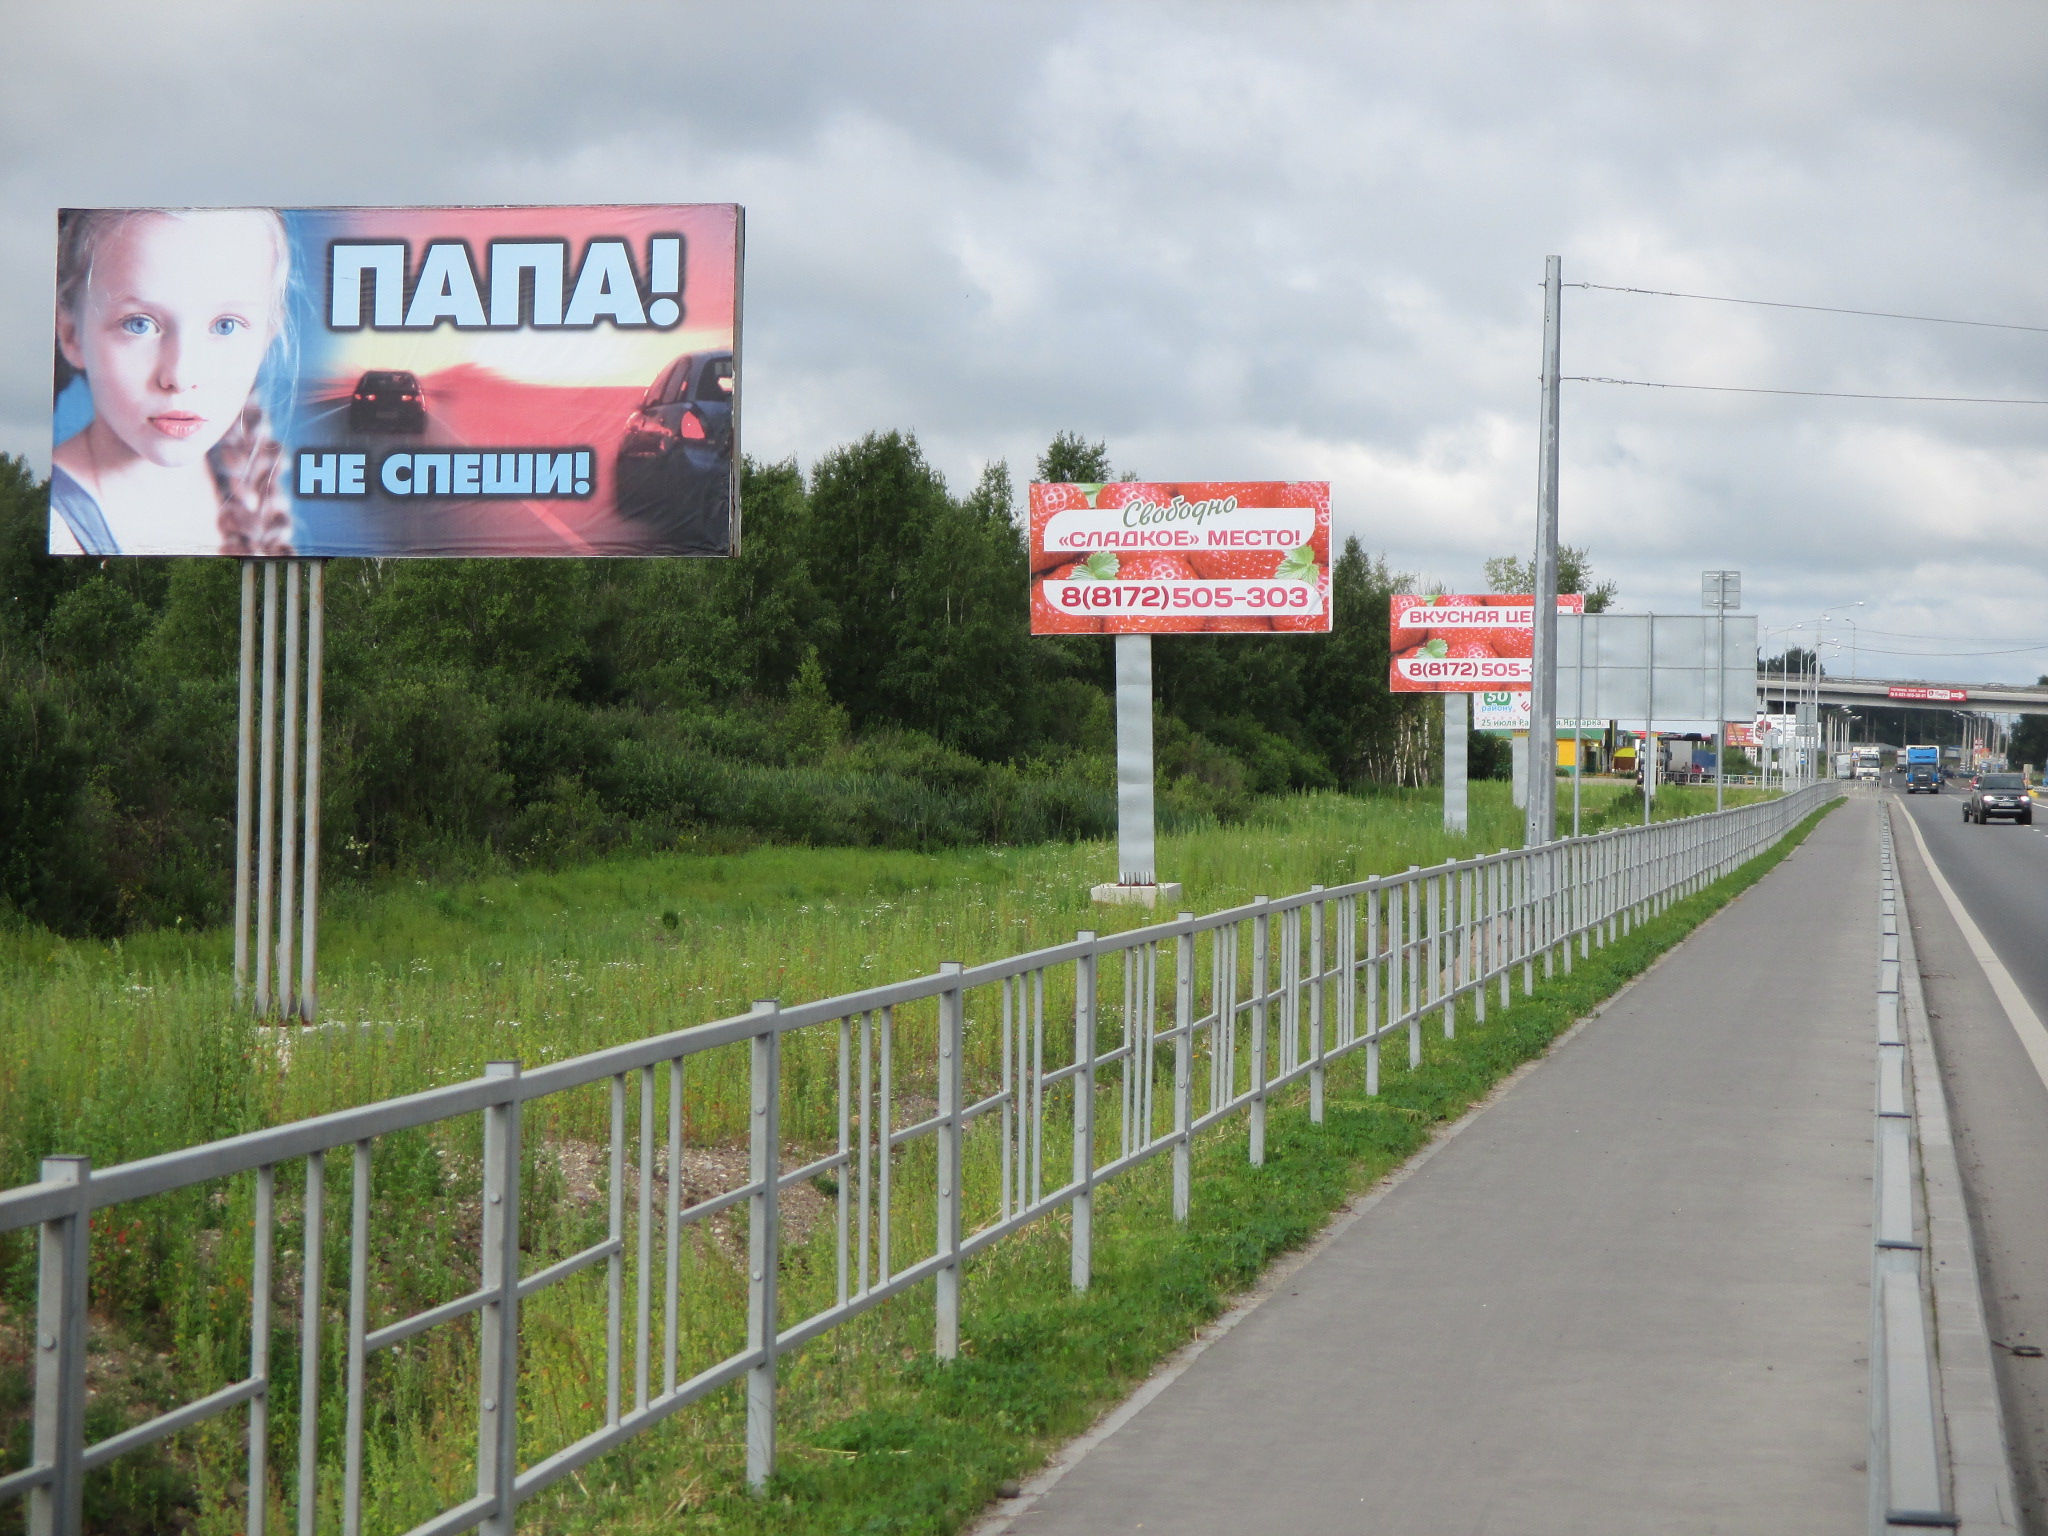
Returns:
(1027, 1084)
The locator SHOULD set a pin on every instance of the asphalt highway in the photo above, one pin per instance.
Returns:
(1997, 1097)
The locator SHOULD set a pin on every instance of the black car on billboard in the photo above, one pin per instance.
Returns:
(387, 400)
(1999, 795)
(675, 460)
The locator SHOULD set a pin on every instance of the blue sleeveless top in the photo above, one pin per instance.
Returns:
(81, 513)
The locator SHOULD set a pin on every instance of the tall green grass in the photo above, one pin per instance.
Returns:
(122, 1050)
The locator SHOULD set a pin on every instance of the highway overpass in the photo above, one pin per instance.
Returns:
(1901, 693)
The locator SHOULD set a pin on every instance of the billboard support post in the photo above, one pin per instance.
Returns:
(316, 658)
(1542, 813)
(283, 998)
(1136, 851)
(1457, 718)
(266, 789)
(245, 778)
(271, 775)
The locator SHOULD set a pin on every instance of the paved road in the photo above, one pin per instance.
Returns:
(1997, 1100)
(1631, 1297)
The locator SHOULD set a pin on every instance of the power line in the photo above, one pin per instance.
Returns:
(1811, 394)
(1822, 309)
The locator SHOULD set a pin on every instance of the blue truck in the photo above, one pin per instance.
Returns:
(1923, 770)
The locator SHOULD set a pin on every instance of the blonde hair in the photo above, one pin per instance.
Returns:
(82, 233)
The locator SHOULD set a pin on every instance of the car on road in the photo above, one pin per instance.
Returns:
(675, 458)
(1999, 796)
(387, 400)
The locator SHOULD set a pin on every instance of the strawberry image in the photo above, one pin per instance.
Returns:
(1300, 565)
(1401, 637)
(1051, 618)
(1301, 623)
(1234, 564)
(1468, 648)
(1046, 501)
(1122, 493)
(1154, 567)
(1511, 642)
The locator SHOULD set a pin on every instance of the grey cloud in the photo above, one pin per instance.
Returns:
(1290, 240)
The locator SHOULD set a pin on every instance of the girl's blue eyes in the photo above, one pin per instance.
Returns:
(142, 325)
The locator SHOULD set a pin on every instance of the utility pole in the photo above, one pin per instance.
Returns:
(1720, 591)
(1541, 826)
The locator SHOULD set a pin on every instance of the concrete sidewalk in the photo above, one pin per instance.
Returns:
(1632, 1297)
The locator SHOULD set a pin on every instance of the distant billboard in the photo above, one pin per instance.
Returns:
(1928, 695)
(1189, 557)
(510, 381)
(1465, 643)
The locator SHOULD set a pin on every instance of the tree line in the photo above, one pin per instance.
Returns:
(862, 673)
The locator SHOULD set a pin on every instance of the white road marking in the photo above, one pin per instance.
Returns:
(2018, 1011)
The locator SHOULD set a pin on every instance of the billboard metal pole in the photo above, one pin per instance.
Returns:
(245, 778)
(1135, 855)
(266, 789)
(1541, 825)
(1457, 717)
(309, 906)
(284, 999)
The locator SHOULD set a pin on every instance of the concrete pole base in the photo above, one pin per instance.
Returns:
(1136, 895)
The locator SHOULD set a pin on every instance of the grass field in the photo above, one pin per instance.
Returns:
(122, 1050)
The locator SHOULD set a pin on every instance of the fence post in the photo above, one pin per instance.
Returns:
(1183, 1065)
(1083, 1258)
(312, 1291)
(763, 1223)
(947, 1345)
(58, 1506)
(497, 1424)
(1315, 1009)
(1262, 941)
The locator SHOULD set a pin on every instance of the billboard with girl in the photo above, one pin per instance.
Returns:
(397, 381)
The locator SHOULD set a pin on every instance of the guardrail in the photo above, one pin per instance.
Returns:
(1908, 1484)
(1036, 1079)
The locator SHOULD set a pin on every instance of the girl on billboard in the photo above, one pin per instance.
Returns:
(165, 318)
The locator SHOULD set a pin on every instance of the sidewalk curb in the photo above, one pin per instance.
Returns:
(1980, 1472)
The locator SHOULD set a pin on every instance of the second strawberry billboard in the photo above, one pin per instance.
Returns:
(1190, 557)
(1464, 643)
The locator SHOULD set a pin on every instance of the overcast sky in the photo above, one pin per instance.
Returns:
(1247, 241)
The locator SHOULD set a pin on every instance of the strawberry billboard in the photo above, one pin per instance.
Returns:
(1192, 557)
(1454, 643)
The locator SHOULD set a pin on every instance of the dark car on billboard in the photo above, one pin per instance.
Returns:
(387, 400)
(675, 460)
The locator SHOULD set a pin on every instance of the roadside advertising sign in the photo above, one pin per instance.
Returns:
(1465, 644)
(545, 381)
(1191, 557)
(1740, 734)
(1930, 695)
(1508, 710)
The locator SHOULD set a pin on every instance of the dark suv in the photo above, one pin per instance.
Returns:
(1999, 794)
(675, 460)
(387, 400)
